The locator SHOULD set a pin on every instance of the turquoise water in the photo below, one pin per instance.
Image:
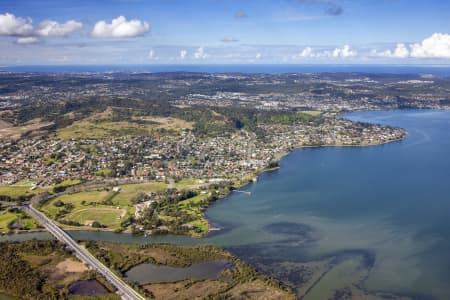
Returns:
(382, 210)
(391, 202)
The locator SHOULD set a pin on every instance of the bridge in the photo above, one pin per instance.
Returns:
(123, 289)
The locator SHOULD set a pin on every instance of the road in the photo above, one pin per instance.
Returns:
(123, 289)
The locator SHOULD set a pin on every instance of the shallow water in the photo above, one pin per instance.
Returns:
(391, 202)
(151, 273)
(379, 213)
(87, 288)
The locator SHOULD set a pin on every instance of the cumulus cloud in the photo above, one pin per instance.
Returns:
(120, 28)
(229, 39)
(200, 53)
(401, 51)
(53, 28)
(10, 25)
(27, 40)
(307, 52)
(23, 29)
(258, 56)
(435, 46)
(183, 54)
(344, 52)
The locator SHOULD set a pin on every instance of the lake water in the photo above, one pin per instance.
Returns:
(151, 273)
(379, 213)
(389, 203)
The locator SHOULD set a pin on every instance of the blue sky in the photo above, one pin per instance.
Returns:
(224, 31)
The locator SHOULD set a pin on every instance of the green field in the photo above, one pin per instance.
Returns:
(106, 207)
(128, 191)
(109, 217)
(68, 182)
(21, 188)
(100, 130)
(7, 218)
(101, 126)
(186, 183)
(194, 207)
(76, 200)
(313, 113)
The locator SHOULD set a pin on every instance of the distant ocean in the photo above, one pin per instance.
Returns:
(437, 70)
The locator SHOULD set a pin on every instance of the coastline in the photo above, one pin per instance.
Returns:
(215, 228)
(237, 185)
(278, 157)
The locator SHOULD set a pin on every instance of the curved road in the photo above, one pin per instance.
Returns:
(123, 289)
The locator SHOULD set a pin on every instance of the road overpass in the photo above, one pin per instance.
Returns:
(123, 289)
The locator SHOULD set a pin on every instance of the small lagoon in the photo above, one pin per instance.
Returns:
(150, 273)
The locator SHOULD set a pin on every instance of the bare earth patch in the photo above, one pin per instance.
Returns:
(168, 122)
(257, 290)
(186, 289)
(8, 131)
(66, 269)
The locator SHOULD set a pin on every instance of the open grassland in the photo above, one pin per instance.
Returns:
(68, 182)
(106, 207)
(313, 113)
(21, 188)
(99, 129)
(10, 132)
(129, 191)
(194, 206)
(166, 122)
(90, 198)
(186, 289)
(15, 215)
(5, 219)
(187, 183)
(109, 217)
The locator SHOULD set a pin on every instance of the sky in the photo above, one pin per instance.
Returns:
(54, 32)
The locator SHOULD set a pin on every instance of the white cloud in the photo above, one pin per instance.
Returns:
(258, 56)
(183, 54)
(435, 46)
(23, 29)
(10, 25)
(200, 53)
(400, 51)
(151, 54)
(120, 28)
(307, 52)
(27, 40)
(53, 28)
(344, 52)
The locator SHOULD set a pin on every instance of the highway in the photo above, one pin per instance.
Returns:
(123, 289)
